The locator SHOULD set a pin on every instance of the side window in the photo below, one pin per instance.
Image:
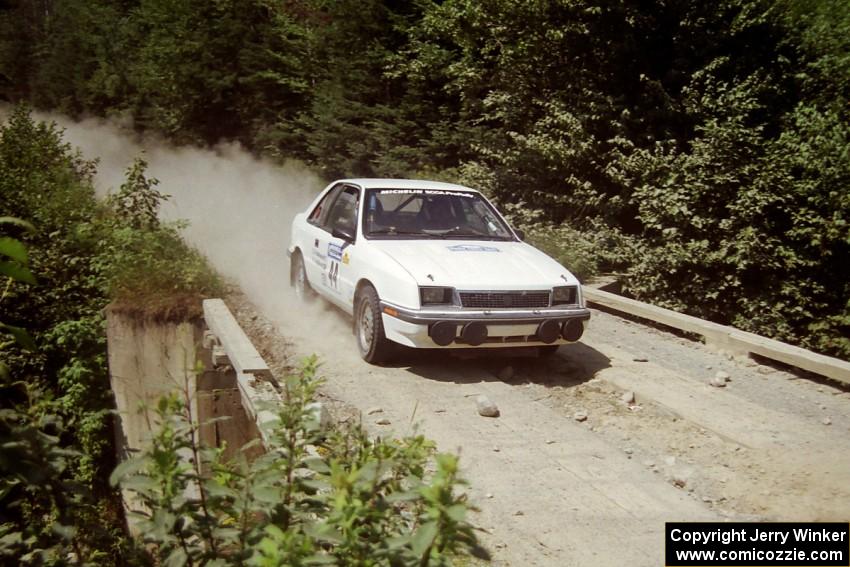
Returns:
(320, 214)
(343, 212)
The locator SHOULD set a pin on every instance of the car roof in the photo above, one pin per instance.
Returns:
(375, 183)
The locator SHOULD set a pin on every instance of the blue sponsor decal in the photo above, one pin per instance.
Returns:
(334, 252)
(472, 248)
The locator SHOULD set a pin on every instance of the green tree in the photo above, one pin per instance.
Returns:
(548, 94)
(354, 122)
(203, 71)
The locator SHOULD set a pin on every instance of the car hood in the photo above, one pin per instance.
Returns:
(479, 265)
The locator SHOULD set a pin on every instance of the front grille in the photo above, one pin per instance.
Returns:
(504, 299)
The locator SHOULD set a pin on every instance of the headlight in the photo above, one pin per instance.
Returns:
(435, 295)
(564, 295)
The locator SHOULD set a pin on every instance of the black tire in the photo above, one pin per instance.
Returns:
(547, 351)
(298, 279)
(369, 327)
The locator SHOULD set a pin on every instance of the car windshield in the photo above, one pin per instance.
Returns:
(431, 213)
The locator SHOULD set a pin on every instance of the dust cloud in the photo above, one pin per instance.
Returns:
(239, 209)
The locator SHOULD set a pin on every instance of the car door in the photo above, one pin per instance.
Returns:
(340, 239)
(314, 243)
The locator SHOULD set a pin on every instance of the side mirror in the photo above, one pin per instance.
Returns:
(343, 233)
(519, 233)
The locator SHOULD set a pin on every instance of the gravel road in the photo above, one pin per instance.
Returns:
(658, 443)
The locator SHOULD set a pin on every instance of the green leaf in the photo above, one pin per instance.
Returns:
(398, 542)
(403, 496)
(164, 520)
(323, 532)
(11, 540)
(63, 531)
(317, 464)
(17, 272)
(268, 494)
(14, 249)
(457, 512)
(177, 558)
(141, 484)
(274, 531)
(20, 335)
(125, 469)
(18, 222)
(320, 560)
(368, 473)
(316, 484)
(217, 490)
(423, 538)
(230, 535)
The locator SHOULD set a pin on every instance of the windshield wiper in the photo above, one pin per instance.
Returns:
(458, 231)
(394, 230)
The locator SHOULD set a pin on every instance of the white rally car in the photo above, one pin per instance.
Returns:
(430, 265)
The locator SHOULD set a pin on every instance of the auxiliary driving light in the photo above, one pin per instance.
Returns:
(572, 330)
(548, 331)
(474, 333)
(443, 333)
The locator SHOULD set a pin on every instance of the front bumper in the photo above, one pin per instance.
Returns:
(426, 328)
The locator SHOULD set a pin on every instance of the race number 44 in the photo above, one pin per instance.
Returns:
(333, 275)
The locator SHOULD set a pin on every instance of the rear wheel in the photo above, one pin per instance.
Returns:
(369, 327)
(300, 283)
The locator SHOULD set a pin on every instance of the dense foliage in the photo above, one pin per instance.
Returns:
(63, 261)
(320, 495)
(710, 140)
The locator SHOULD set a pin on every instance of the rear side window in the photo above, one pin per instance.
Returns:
(318, 216)
(343, 212)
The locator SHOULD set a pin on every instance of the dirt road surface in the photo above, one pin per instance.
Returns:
(556, 491)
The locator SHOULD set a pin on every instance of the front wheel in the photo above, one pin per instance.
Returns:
(369, 327)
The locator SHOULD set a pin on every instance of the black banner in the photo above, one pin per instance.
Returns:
(744, 544)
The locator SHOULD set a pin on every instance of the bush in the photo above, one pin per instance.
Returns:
(151, 271)
(317, 497)
(751, 230)
(78, 255)
(586, 253)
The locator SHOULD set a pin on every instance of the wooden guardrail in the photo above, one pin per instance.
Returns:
(253, 375)
(725, 337)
